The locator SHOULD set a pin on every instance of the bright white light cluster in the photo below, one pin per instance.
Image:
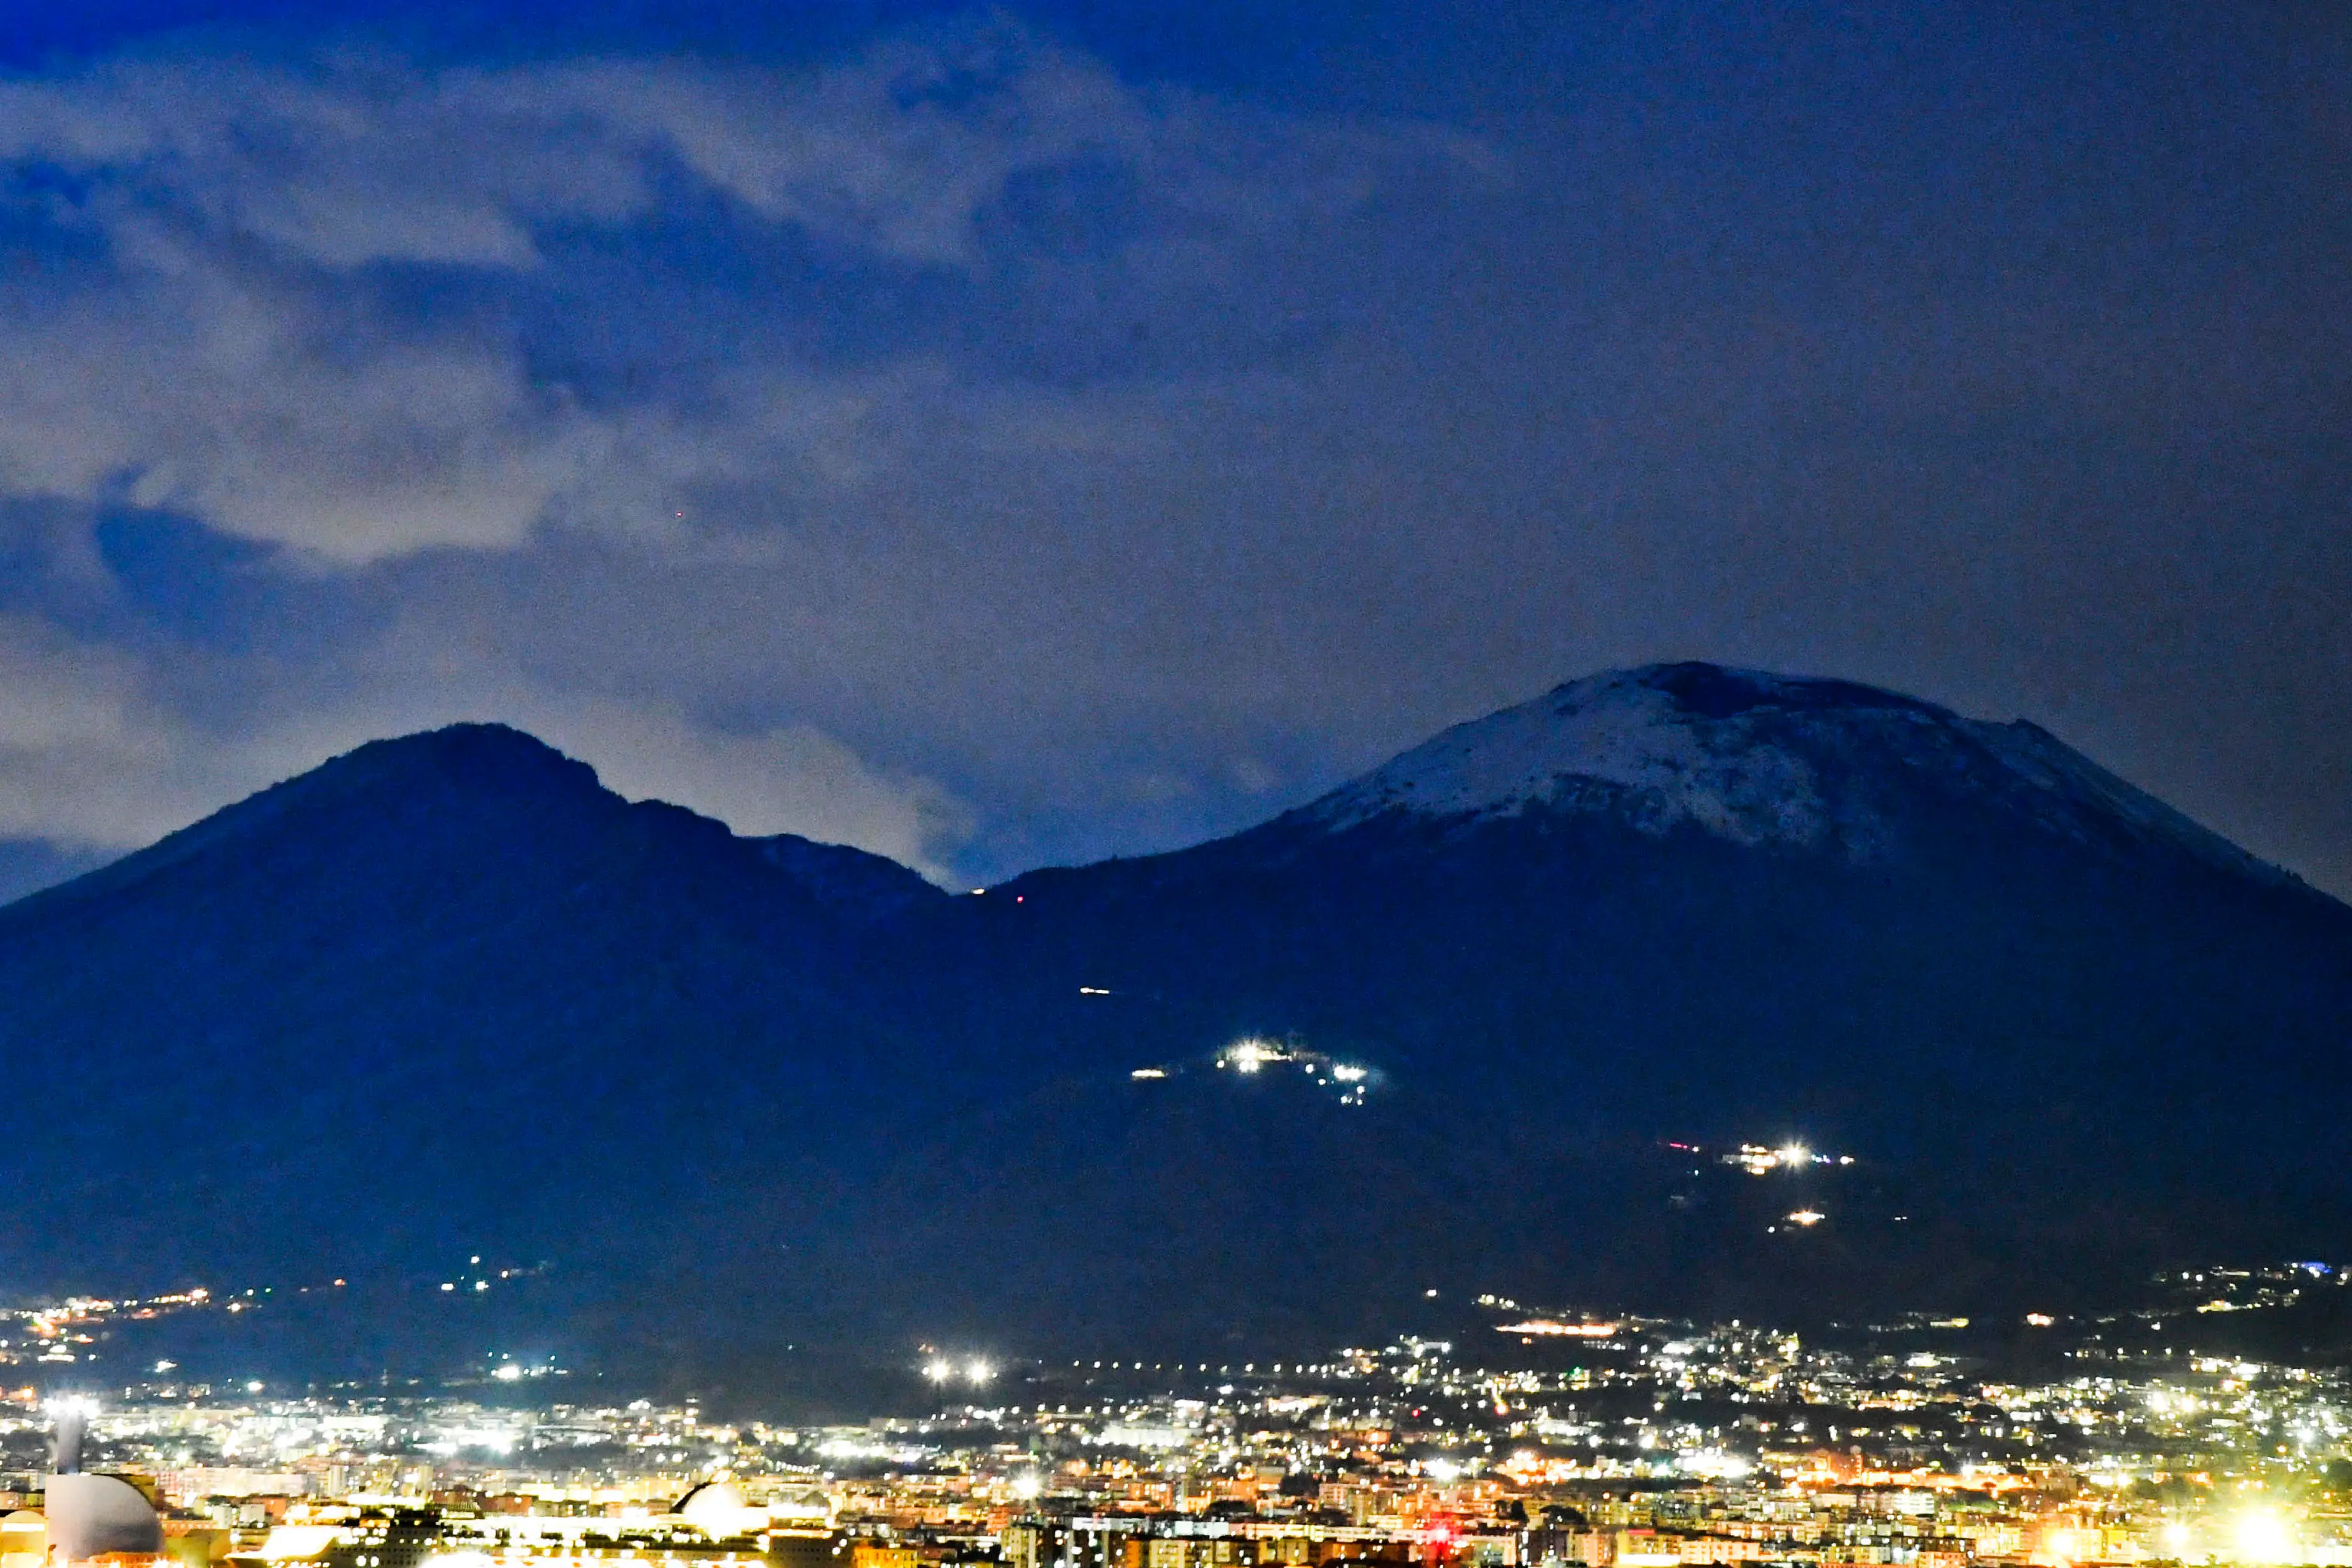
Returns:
(1250, 1055)
(1756, 1160)
(1254, 1054)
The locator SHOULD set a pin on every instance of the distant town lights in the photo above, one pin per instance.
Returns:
(1756, 1160)
(1550, 1328)
(944, 1371)
(1253, 1054)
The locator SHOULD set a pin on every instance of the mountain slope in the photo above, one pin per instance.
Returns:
(1762, 759)
(442, 994)
(1696, 904)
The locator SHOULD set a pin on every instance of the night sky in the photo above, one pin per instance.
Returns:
(1002, 436)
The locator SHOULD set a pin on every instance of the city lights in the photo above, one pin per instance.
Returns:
(1758, 1160)
(1550, 1328)
(1253, 1054)
(976, 1372)
(1627, 1441)
(2260, 1535)
(1249, 1055)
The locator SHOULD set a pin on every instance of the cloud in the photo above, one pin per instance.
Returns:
(94, 756)
(320, 302)
(87, 758)
(345, 159)
(792, 780)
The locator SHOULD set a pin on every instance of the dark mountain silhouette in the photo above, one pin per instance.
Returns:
(2068, 1033)
(446, 994)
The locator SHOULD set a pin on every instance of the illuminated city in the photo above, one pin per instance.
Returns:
(1611, 1442)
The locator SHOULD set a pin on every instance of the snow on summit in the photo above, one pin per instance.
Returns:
(1625, 730)
(1758, 758)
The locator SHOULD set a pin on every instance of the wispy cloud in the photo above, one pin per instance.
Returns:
(320, 304)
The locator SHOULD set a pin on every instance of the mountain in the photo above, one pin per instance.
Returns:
(2067, 1033)
(1763, 760)
(446, 995)
(856, 888)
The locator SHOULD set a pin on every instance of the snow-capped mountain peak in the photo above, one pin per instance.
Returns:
(1625, 736)
(1760, 759)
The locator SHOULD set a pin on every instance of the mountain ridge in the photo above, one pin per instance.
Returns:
(621, 1036)
(484, 752)
(1712, 692)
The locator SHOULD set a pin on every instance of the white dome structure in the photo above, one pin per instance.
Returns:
(720, 1509)
(94, 1516)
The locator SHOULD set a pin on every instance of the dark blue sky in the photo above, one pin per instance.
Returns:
(994, 435)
